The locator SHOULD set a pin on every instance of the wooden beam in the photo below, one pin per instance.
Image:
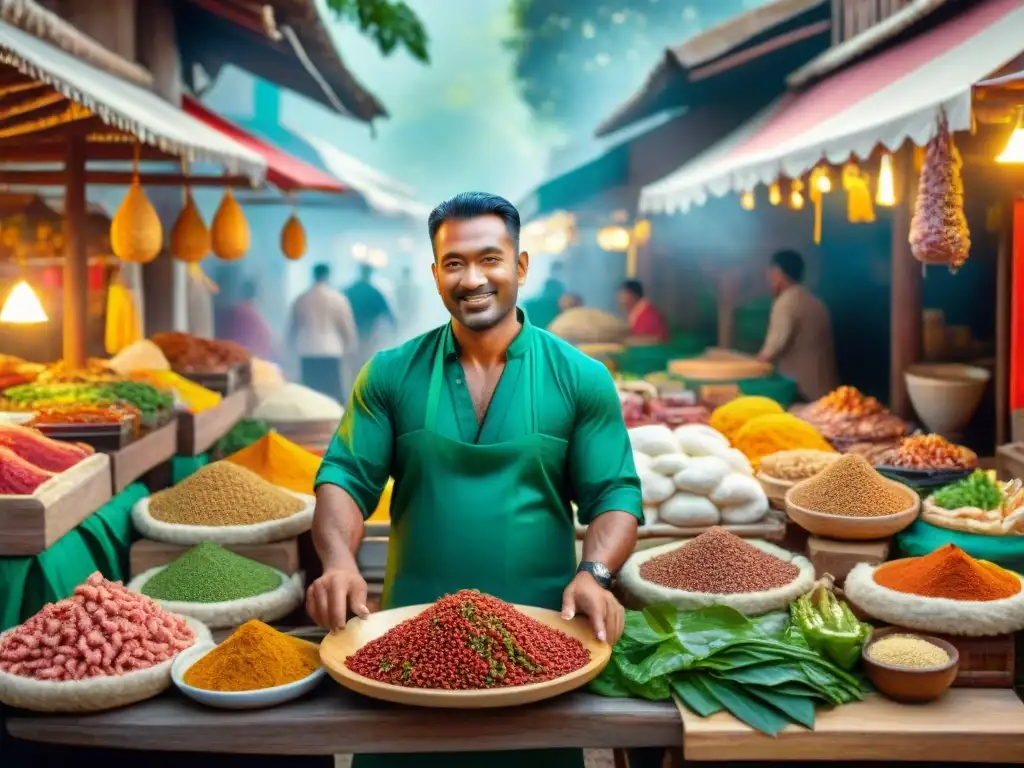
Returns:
(905, 299)
(757, 51)
(76, 286)
(55, 152)
(120, 178)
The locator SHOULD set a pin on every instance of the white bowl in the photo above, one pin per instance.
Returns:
(260, 699)
(946, 395)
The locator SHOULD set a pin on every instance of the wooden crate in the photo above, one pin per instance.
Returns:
(282, 555)
(197, 432)
(839, 557)
(227, 382)
(314, 433)
(985, 662)
(30, 524)
(136, 459)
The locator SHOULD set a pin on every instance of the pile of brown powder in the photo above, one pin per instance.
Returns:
(721, 563)
(223, 493)
(850, 487)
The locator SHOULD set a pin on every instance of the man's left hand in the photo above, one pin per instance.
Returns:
(607, 616)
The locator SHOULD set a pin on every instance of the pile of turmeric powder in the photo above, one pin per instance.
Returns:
(254, 658)
(280, 462)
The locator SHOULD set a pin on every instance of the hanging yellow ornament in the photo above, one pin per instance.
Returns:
(775, 194)
(293, 238)
(230, 234)
(885, 195)
(190, 239)
(796, 195)
(136, 234)
(857, 183)
(821, 185)
(122, 324)
(747, 201)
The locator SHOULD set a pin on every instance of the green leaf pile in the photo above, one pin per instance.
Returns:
(976, 490)
(760, 670)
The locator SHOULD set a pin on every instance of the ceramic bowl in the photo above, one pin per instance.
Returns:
(910, 685)
(854, 528)
(261, 699)
(946, 396)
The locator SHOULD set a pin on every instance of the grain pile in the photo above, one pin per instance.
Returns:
(719, 562)
(907, 652)
(850, 487)
(208, 573)
(223, 493)
(796, 465)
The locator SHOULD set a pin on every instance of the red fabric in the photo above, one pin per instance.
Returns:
(1017, 309)
(283, 171)
(807, 110)
(647, 321)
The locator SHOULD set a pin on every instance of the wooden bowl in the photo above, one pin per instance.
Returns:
(853, 528)
(775, 489)
(338, 646)
(910, 685)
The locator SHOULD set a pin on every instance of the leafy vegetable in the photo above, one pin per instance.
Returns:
(976, 490)
(763, 671)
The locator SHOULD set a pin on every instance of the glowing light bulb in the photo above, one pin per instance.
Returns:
(822, 181)
(796, 199)
(614, 239)
(775, 194)
(747, 201)
(1014, 151)
(886, 193)
(22, 306)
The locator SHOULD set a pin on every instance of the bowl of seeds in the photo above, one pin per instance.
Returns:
(850, 501)
(909, 667)
(782, 470)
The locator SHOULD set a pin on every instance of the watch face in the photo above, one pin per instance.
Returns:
(598, 570)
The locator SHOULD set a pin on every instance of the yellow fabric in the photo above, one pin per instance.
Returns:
(123, 327)
(383, 512)
(196, 397)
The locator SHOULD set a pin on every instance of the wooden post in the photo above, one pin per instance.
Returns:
(728, 299)
(76, 286)
(905, 298)
(1004, 276)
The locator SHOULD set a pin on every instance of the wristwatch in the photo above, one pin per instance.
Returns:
(598, 570)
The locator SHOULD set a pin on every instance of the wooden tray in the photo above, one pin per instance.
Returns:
(338, 646)
(197, 432)
(280, 555)
(30, 524)
(136, 459)
(102, 437)
(985, 662)
(225, 382)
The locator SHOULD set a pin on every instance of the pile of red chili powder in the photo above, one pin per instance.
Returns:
(718, 562)
(469, 641)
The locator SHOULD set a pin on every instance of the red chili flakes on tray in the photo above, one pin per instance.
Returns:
(469, 641)
(929, 452)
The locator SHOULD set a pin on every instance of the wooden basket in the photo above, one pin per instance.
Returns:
(29, 524)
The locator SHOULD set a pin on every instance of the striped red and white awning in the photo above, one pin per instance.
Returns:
(884, 100)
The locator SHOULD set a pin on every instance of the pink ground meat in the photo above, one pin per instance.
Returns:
(102, 630)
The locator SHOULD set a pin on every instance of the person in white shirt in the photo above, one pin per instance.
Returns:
(322, 330)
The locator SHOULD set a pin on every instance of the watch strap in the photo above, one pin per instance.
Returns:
(599, 571)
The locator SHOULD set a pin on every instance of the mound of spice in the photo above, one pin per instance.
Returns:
(951, 573)
(796, 465)
(102, 630)
(930, 452)
(208, 573)
(907, 652)
(253, 658)
(223, 493)
(469, 641)
(280, 462)
(850, 487)
(721, 563)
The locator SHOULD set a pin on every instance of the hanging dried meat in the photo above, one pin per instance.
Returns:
(938, 232)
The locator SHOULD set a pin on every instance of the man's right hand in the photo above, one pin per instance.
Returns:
(330, 597)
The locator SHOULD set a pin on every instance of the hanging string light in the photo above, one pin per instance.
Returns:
(1014, 151)
(747, 201)
(796, 195)
(857, 183)
(775, 193)
(886, 193)
(821, 185)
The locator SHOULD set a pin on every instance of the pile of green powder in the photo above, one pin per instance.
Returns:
(209, 573)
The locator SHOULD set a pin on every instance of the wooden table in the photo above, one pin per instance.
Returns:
(334, 721)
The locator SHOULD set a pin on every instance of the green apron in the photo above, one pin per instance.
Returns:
(487, 517)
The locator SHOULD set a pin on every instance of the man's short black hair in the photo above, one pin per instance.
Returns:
(321, 272)
(633, 286)
(790, 263)
(470, 205)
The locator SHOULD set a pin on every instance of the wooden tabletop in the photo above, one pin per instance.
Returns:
(967, 725)
(334, 721)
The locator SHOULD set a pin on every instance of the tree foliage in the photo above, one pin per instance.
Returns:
(389, 23)
(577, 59)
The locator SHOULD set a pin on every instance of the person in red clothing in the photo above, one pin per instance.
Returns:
(645, 321)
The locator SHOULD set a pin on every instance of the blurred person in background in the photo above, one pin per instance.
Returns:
(799, 339)
(646, 324)
(569, 301)
(544, 307)
(246, 325)
(374, 316)
(323, 331)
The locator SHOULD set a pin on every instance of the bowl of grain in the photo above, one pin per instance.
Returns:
(780, 471)
(909, 667)
(850, 501)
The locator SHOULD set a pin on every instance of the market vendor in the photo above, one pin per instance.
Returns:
(646, 323)
(799, 339)
(490, 428)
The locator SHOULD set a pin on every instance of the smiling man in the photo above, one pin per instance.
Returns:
(491, 428)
